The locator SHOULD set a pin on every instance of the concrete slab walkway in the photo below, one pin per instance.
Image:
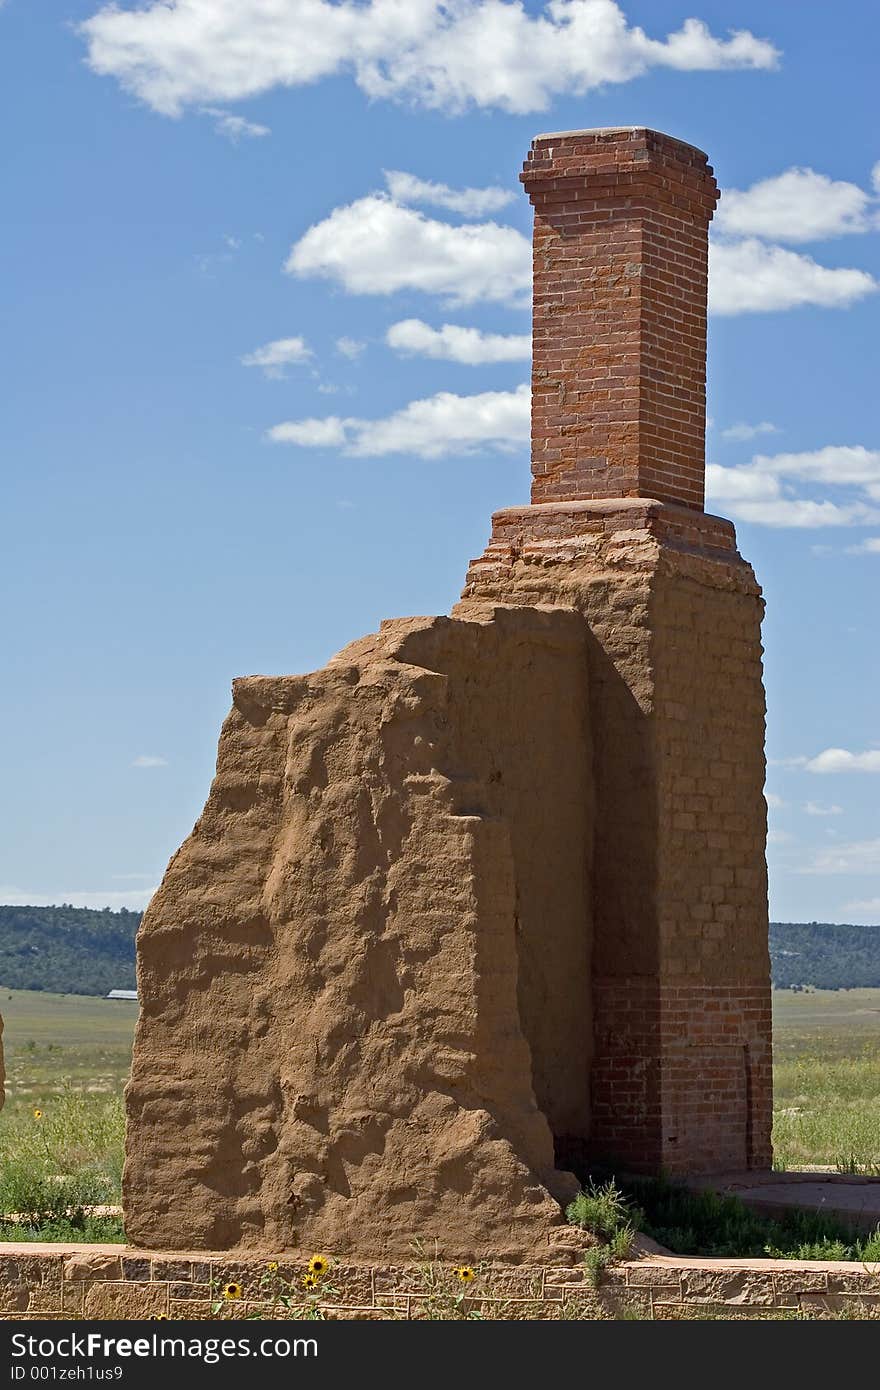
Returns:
(850, 1199)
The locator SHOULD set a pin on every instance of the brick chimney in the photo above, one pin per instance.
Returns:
(620, 275)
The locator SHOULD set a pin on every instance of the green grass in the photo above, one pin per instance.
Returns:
(704, 1223)
(604, 1211)
(709, 1223)
(67, 1058)
(826, 1079)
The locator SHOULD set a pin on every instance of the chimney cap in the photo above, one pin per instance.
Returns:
(620, 130)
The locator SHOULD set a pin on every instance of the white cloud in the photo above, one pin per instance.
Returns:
(275, 356)
(815, 808)
(472, 202)
(751, 277)
(327, 433)
(875, 177)
(442, 55)
(797, 205)
(452, 343)
(374, 246)
(839, 464)
(841, 760)
(378, 245)
(741, 432)
(869, 547)
(774, 802)
(149, 760)
(762, 491)
(860, 857)
(349, 347)
(234, 128)
(780, 837)
(136, 899)
(441, 424)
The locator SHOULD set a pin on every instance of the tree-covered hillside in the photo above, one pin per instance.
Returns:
(77, 950)
(825, 955)
(68, 950)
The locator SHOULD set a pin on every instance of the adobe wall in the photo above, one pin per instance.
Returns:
(365, 978)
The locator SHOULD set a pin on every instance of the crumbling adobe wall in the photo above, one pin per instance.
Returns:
(373, 952)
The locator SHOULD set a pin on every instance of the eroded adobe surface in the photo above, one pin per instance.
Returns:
(373, 954)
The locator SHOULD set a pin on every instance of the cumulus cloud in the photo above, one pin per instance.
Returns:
(842, 760)
(442, 55)
(378, 246)
(837, 465)
(472, 202)
(149, 760)
(762, 491)
(797, 205)
(751, 276)
(871, 546)
(330, 432)
(375, 246)
(234, 128)
(275, 356)
(815, 808)
(452, 343)
(774, 802)
(740, 432)
(430, 428)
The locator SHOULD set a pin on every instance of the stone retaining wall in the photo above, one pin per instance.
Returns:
(53, 1282)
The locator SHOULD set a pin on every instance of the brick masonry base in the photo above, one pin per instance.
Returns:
(74, 1282)
(682, 1075)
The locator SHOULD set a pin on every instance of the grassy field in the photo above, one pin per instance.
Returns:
(52, 1038)
(61, 1130)
(826, 1079)
(67, 1057)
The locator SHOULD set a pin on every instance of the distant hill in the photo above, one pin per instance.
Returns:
(67, 950)
(824, 955)
(78, 950)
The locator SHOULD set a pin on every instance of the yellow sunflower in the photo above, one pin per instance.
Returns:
(272, 1266)
(318, 1265)
(158, 1317)
(38, 1114)
(310, 1281)
(464, 1274)
(232, 1291)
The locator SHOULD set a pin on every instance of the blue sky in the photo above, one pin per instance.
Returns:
(241, 351)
